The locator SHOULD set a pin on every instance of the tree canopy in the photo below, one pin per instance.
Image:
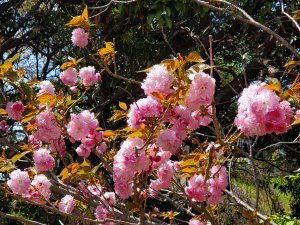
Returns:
(238, 44)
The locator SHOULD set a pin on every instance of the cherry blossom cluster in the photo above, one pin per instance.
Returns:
(196, 110)
(261, 112)
(127, 163)
(82, 127)
(87, 74)
(210, 190)
(37, 190)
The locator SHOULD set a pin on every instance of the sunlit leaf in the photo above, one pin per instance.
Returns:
(109, 133)
(108, 50)
(7, 168)
(291, 64)
(194, 57)
(297, 121)
(80, 21)
(86, 163)
(123, 105)
(33, 81)
(158, 95)
(296, 15)
(46, 98)
(2, 111)
(72, 63)
(15, 158)
(135, 134)
(273, 87)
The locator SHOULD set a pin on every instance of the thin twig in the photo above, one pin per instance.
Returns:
(288, 16)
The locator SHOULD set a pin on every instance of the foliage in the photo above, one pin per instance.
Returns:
(119, 157)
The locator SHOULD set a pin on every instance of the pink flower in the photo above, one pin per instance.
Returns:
(39, 191)
(197, 188)
(168, 140)
(66, 204)
(127, 162)
(201, 91)
(217, 184)
(143, 109)
(101, 147)
(74, 89)
(4, 126)
(46, 87)
(88, 142)
(43, 161)
(19, 181)
(33, 141)
(69, 76)
(109, 197)
(260, 112)
(88, 76)
(83, 151)
(82, 125)
(47, 127)
(195, 222)
(202, 117)
(14, 110)
(158, 79)
(102, 213)
(95, 189)
(80, 37)
(59, 146)
(165, 173)
(124, 189)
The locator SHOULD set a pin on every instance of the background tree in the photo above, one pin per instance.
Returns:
(146, 32)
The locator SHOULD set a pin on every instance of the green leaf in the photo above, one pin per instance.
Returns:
(15, 158)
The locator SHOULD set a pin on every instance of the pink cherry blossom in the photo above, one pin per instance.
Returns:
(197, 188)
(168, 140)
(80, 37)
(83, 151)
(202, 117)
(19, 181)
(66, 204)
(46, 87)
(14, 110)
(74, 89)
(103, 213)
(260, 112)
(47, 127)
(39, 190)
(81, 125)
(69, 76)
(165, 173)
(143, 109)
(109, 198)
(4, 126)
(88, 76)
(43, 161)
(195, 222)
(158, 79)
(201, 91)
(101, 148)
(96, 190)
(59, 146)
(128, 162)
